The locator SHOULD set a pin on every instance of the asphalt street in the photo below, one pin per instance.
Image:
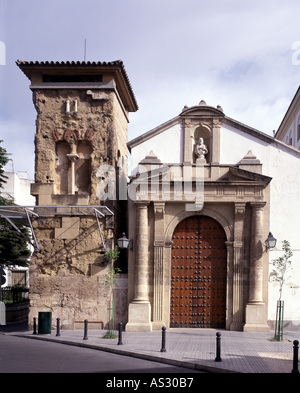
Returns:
(21, 355)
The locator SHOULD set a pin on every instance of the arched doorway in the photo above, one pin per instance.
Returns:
(198, 274)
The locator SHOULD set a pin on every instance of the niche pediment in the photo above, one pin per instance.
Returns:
(236, 174)
(203, 110)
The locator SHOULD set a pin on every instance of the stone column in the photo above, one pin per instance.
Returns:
(256, 253)
(141, 262)
(73, 158)
(215, 142)
(238, 268)
(158, 289)
(187, 143)
(256, 309)
(139, 311)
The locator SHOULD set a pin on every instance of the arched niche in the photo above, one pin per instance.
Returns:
(63, 165)
(83, 167)
(202, 131)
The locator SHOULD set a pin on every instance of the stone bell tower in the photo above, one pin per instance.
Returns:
(81, 135)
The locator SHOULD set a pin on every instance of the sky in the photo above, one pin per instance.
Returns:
(241, 54)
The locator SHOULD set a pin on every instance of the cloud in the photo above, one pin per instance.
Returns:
(18, 142)
(230, 52)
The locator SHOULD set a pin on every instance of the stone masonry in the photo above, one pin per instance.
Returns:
(81, 132)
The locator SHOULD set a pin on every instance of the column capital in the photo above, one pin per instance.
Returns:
(141, 204)
(258, 205)
(159, 208)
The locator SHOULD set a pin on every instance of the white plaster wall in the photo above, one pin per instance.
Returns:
(235, 144)
(279, 162)
(166, 146)
(284, 224)
(18, 186)
(282, 164)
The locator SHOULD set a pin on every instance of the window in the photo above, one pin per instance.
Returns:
(72, 78)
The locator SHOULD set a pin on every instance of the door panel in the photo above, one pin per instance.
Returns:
(198, 274)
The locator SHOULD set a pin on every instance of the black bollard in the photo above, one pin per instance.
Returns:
(218, 357)
(57, 327)
(34, 326)
(163, 339)
(120, 334)
(295, 358)
(85, 336)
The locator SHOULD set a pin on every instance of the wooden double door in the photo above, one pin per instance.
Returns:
(198, 274)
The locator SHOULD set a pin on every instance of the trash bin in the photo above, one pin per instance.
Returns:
(44, 322)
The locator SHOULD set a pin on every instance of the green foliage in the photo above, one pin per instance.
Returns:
(13, 247)
(112, 271)
(110, 280)
(3, 161)
(282, 265)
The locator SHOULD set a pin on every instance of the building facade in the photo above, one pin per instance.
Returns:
(289, 129)
(204, 193)
(81, 135)
(200, 213)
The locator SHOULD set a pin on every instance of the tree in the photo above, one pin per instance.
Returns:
(13, 247)
(3, 161)
(282, 265)
(110, 280)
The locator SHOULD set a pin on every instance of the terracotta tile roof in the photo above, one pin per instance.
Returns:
(117, 66)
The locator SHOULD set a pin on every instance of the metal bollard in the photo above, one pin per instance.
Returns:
(295, 358)
(120, 334)
(34, 325)
(85, 336)
(163, 339)
(218, 357)
(57, 327)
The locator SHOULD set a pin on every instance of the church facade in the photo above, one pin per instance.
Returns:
(207, 192)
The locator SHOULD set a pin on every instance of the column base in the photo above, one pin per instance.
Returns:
(237, 326)
(157, 325)
(256, 318)
(139, 317)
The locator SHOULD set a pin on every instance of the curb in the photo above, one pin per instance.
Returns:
(153, 358)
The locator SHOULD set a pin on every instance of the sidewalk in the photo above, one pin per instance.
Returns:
(192, 348)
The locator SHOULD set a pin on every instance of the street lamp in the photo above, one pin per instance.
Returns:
(271, 241)
(123, 242)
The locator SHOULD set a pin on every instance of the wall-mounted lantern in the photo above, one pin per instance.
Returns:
(271, 241)
(123, 242)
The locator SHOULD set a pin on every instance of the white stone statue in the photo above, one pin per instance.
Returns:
(200, 149)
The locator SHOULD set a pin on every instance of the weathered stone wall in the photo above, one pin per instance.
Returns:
(67, 276)
(85, 129)
(95, 123)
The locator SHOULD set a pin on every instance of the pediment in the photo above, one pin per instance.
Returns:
(236, 174)
(203, 110)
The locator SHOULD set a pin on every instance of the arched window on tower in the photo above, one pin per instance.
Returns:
(83, 168)
(63, 165)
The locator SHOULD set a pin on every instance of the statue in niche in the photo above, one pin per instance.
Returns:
(200, 149)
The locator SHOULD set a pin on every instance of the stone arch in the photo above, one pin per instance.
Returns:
(83, 167)
(62, 167)
(205, 212)
(170, 228)
(198, 274)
